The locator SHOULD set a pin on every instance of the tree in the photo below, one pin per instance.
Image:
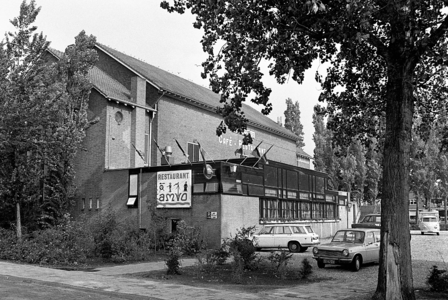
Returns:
(42, 121)
(389, 57)
(292, 121)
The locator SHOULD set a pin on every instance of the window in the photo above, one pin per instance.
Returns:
(369, 238)
(298, 229)
(90, 203)
(306, 210)
(193, 152)
(97, 203)
(320, 185)
(318, 210)
(304, 183)
(292, 180)
(269, 209)
(270, 176)
(83, 203)
(133, 191)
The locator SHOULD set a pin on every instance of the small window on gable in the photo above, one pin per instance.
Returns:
(193, 152)
(133, 191)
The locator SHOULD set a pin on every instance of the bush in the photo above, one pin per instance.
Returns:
(119, 242)
(280, 261)
(64, 244)
(189, 239)
(242, 248)
(305, 269)
(438, 280)
(72, 242)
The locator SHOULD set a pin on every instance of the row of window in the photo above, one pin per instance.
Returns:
(277, 209)
(296, 180)
(90, 204)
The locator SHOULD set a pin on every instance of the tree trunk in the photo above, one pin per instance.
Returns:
(19, 222)
(395, 271)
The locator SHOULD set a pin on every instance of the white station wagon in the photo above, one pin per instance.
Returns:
(297, 238)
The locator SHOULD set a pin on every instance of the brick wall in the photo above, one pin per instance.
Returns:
(89, 162)
(186, 123)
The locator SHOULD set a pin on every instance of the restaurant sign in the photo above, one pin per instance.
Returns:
(174, 189)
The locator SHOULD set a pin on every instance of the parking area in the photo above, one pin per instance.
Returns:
(427, 251)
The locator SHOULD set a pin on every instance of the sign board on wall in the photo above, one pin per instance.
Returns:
(174, 189)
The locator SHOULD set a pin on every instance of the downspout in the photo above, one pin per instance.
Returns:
(140, 199)
(152, 119)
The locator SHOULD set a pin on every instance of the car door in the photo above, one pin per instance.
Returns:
(282, 236)
(371, 247)
(265, 238)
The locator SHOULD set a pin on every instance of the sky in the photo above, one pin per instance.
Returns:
(142, 29)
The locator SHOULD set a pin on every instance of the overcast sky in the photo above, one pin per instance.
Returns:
(142, 29)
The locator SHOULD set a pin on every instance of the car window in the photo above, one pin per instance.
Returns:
(367, 219)
(310, 230)
(377, 236)
(378, 219)
(429, 220)
(369, 238)
(349, 236)
(298, 229)
(278, 230)
(286, 230)
(266, 230)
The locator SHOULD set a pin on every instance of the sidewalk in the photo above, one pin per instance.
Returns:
(110, 279)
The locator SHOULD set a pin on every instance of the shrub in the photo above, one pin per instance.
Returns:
(119, 241)
(305, 269)
(237, 268)
(242, 247)
(280, 260)
(189, 239)
(438, 280)
(64, 244)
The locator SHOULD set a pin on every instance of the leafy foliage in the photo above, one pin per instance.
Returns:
(242, 248)
(438, 280)
(73, 242)
(43, 119)
(292, 121)
(280, 260)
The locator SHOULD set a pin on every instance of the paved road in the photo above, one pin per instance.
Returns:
(15, 288)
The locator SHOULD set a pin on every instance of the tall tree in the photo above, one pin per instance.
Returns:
(385, 54)
(42, 121)
(292, 121)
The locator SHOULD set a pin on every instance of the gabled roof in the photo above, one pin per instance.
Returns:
(110, 88)
(173, 84)
(302, 153)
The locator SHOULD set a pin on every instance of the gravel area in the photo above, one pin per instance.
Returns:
(427, 251)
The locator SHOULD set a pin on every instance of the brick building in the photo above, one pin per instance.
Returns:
(145, 115)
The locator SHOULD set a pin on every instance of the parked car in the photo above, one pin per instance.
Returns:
(297, 238)
(369, 221)
(350, 247)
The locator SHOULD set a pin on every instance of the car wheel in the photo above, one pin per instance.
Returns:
(356, 263)
(303, 249)
(320, 264)
(423, 233)
(438, 233)
(294, 247)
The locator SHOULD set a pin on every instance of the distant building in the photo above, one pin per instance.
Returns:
(303, 159)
